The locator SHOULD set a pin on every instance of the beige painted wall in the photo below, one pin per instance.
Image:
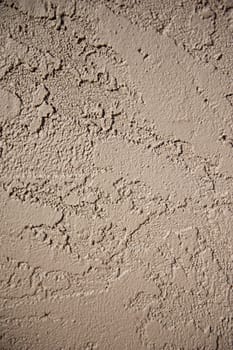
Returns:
(116, 175)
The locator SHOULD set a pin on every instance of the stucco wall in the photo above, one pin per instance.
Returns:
(116, 175)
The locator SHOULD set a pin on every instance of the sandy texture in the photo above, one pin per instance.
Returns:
(116, 175)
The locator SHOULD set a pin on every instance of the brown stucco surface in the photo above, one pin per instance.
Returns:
(116, 175)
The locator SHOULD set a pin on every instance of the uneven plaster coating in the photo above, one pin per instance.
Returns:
(116, 170)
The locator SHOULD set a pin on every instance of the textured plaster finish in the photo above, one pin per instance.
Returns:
(116, 180)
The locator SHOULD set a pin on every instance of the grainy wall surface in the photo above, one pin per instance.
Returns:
(116, 185)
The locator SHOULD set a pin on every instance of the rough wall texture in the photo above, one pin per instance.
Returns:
(116, 147)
